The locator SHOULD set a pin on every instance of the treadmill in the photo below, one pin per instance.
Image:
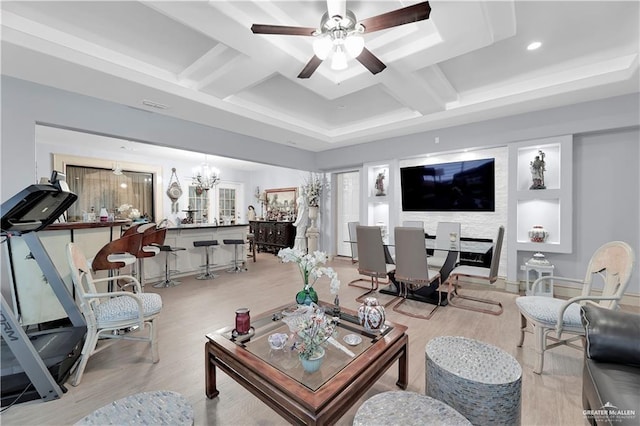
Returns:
(36, 365)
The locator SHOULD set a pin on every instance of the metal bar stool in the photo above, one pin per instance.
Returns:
(251, 239)
(238, 265)
(207, 274)
(168, 281)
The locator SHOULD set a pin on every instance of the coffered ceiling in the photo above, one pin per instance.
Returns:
(199, 61)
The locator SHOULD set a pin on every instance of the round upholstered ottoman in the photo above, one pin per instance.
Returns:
(481, 381)
(407, 409)
(146, 408)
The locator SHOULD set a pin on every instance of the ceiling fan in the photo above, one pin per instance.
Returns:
(340, 33)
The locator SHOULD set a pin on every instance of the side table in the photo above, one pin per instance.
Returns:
(540, 270)
(480, 381)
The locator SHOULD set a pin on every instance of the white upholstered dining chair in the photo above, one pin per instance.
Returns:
(541, 315)
(108, 313)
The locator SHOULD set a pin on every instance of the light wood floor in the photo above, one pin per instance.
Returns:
(197, 307)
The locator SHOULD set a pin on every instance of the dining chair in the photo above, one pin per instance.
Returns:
(478, 272)
(612, 262)
(412, 269)
(447, 234)
(413, 223)
(371, 259)
(108, 314)
(353, 240)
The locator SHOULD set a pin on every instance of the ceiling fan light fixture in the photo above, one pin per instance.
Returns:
(322, 46)
(339, 59)
(354, 45)
(336, 8)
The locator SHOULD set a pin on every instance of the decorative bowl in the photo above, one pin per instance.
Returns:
(277, 340)
(352, 339)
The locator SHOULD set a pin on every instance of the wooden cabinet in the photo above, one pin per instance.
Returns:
(272, 236)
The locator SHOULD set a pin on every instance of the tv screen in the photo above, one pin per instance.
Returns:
(457, 186)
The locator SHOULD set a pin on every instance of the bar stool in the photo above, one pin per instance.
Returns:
(238, 265)
(153, 238)
(207, 275)
(168, 282)
(251, 239)
(115, 255)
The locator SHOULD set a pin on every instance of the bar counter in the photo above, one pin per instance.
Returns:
(35, 298)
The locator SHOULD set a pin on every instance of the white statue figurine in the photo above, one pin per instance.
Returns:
(301, 223)
(537, 171)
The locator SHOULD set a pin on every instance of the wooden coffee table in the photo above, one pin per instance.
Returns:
(276, 377)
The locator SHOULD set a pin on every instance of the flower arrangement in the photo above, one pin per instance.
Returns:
(311, 329)
(127, 210)
(310, 267)
(313, 188)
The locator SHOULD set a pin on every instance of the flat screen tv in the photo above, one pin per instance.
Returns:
(456, 186)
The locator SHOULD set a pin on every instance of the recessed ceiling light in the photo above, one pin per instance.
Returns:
(534, 45)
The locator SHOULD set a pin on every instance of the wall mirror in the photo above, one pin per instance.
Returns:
(281, 203)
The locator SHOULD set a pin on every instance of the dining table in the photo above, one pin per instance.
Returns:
(453, 248)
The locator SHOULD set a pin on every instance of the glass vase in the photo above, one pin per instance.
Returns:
(306, 296)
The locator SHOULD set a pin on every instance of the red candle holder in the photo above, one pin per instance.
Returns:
(243, 321)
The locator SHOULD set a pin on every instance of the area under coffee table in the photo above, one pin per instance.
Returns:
(278, 380)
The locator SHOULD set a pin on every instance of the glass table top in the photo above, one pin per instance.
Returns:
(338, 353)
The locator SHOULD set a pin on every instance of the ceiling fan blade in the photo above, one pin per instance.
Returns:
(370, 61)
(406, 15)
(282, 30)
(310, 68)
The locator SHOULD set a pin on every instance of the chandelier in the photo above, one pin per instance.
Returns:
(117, 169)
(338, 36)
(205, 177)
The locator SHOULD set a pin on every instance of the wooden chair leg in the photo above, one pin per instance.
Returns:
(539, 338)
(87, 350)
(153, 335)
(523, 328)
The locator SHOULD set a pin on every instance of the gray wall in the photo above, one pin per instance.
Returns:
(607, 114)
(606, 157)
(24, 104)
(606, 173)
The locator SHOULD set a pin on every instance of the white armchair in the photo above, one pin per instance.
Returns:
(613, 262)
(108, 312)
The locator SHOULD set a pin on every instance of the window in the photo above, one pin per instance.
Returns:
(143, 191)
(97, 188)
(198, 205)
(227, 204)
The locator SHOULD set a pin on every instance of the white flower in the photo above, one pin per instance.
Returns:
(313, 188)
(127, 210)
(309, 265)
